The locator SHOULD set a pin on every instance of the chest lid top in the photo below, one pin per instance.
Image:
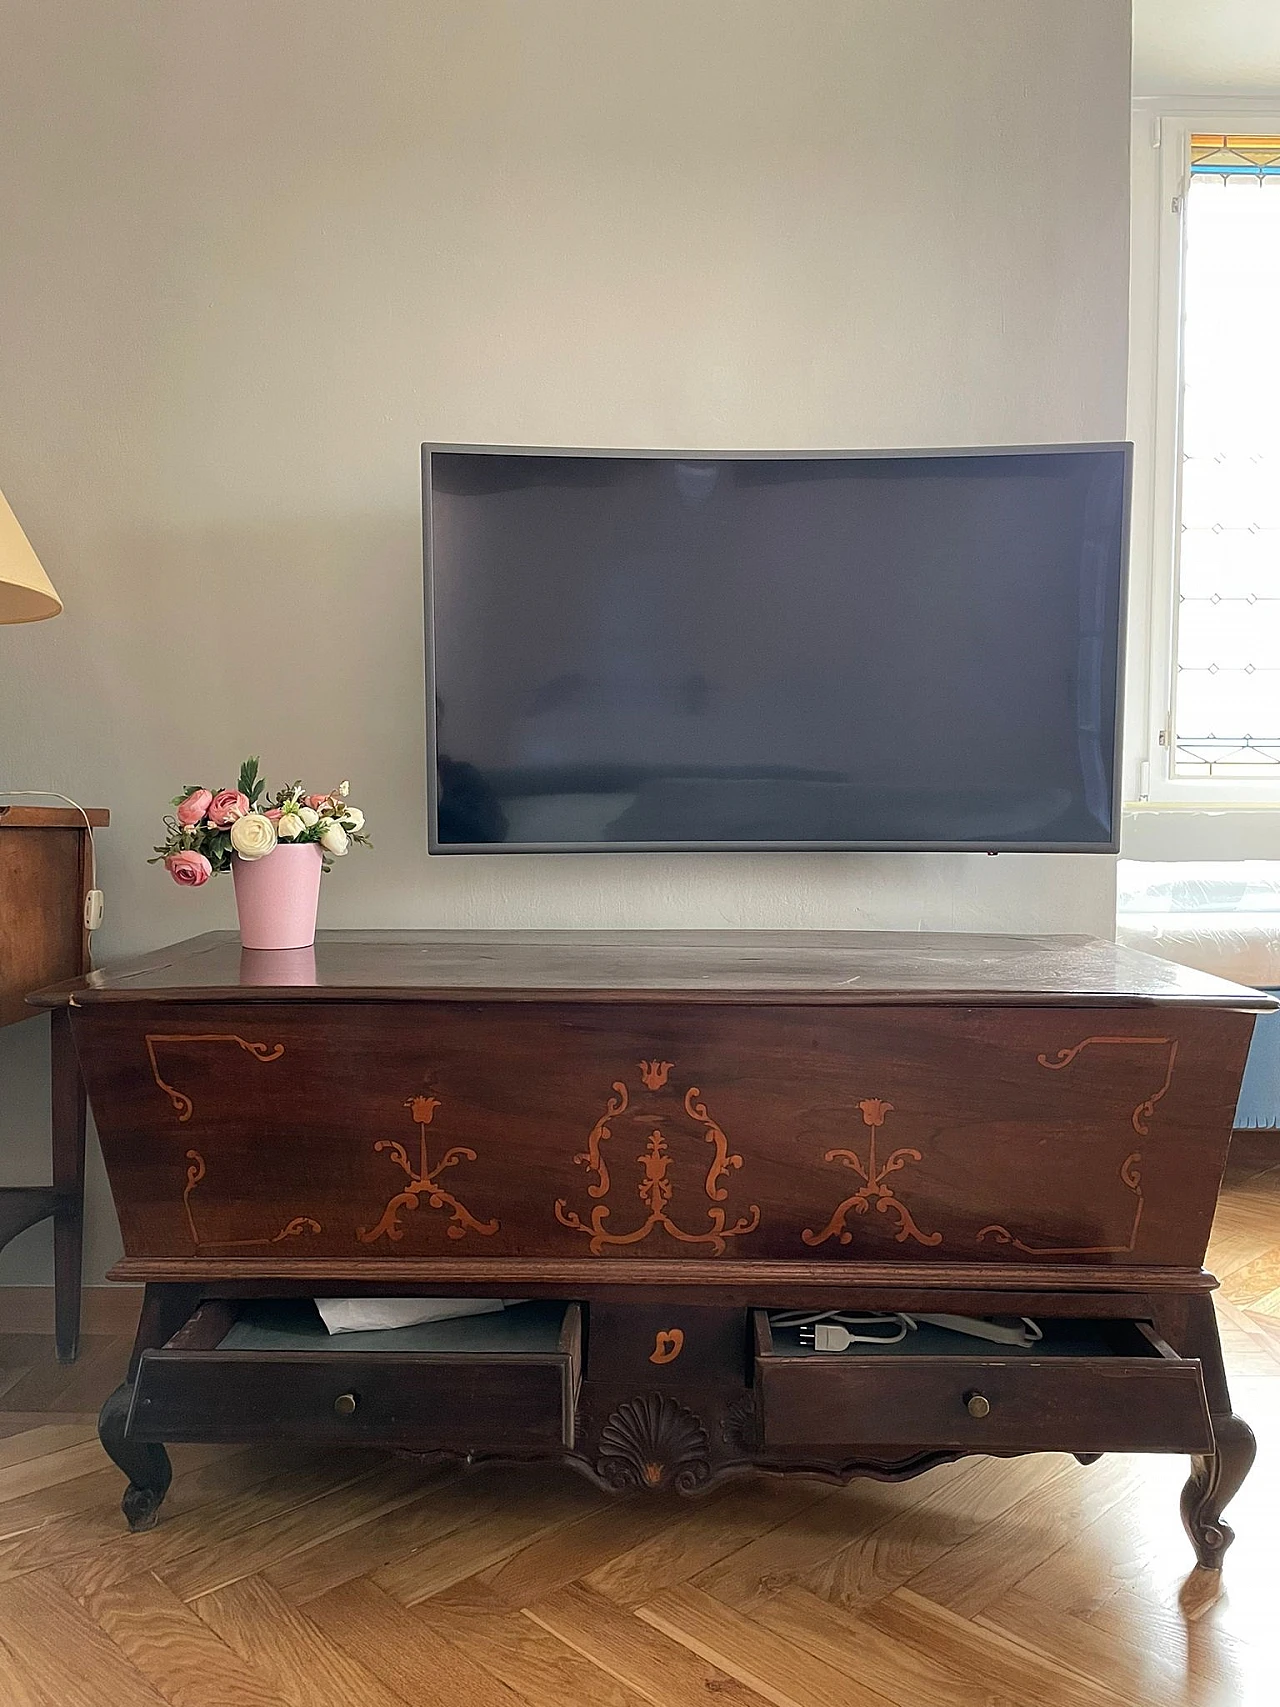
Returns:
(841, 968)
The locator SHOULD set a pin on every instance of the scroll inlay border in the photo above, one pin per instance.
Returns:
(181, 1101)
(196, 1165)
(1130, 1174)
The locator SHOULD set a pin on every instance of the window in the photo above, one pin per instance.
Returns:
(1211, 445)
(1226, 687)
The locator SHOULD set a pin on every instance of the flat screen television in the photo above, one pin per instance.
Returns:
(632, 651)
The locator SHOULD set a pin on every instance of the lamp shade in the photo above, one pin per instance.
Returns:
(26, 592)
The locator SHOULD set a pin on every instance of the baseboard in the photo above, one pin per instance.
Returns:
(103, 1309)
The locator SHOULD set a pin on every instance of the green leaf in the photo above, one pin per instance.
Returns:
(251, 784)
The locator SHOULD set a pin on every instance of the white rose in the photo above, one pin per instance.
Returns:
(309, 815)
(353, 818)
(334, 840)
(289, 827)
(253, 836)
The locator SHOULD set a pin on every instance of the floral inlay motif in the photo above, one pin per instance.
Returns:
(656, 1188)
(424, 1181)
(873, 1189)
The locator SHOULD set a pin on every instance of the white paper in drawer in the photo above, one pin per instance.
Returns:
(363, 1315)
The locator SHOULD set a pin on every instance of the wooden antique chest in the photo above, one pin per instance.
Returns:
(662, 1140)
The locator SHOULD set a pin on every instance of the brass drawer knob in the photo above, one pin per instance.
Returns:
(977, 1405)
(345, 1404)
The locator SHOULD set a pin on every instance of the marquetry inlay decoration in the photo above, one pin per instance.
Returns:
(1130, 1178)
(424, 1181)
(1146, 1108)
(656, 1189)
(291, 1230)
(179, 1099)
(196, 1165)
(873, 1188)
(1130, 1175)
(668, 1343)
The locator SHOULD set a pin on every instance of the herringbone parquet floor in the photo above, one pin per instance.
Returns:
(318, 1580)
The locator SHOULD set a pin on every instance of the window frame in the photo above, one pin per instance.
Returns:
(1161, 175)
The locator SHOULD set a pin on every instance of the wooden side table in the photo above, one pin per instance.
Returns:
(45, 865)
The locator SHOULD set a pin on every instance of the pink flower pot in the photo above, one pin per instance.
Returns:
(277, 897)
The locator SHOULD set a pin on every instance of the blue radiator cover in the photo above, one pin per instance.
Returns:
(1259, 1103)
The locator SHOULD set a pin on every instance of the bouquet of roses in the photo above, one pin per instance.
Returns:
(208, 825)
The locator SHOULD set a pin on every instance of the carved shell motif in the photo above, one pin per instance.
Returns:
(653, 1442)
(740, 1425)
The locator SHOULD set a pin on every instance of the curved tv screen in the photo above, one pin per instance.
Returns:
(635, 651)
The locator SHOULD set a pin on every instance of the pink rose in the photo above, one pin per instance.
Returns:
(194, 807)
(227, 805)
(188, 868)
(273, 812)
(316, 801)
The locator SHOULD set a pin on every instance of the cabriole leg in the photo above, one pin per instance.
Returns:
(145, 1464)
(1215, 1478)
(1191, 1327)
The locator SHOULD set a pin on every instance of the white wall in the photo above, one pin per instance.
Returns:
(1203, 47)
(253, 254)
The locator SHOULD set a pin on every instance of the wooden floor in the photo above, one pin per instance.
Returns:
(280, 1576)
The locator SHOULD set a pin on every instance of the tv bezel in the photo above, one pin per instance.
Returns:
(996, 846)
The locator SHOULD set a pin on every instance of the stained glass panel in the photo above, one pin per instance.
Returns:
(1235, 156)
(1227, 686)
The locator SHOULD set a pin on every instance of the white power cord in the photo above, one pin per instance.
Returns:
(837, 1330)
(830, 1336)
(93, 900)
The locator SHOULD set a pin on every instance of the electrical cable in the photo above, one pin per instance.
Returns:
(93, 899)
(836, 1330)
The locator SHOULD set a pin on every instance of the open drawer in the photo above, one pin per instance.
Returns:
(268, 1368)
(1088, 1386)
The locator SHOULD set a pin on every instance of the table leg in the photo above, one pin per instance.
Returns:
(1215, 1478)
(67, 1096)
(145, 1463)
(1191, 1327)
